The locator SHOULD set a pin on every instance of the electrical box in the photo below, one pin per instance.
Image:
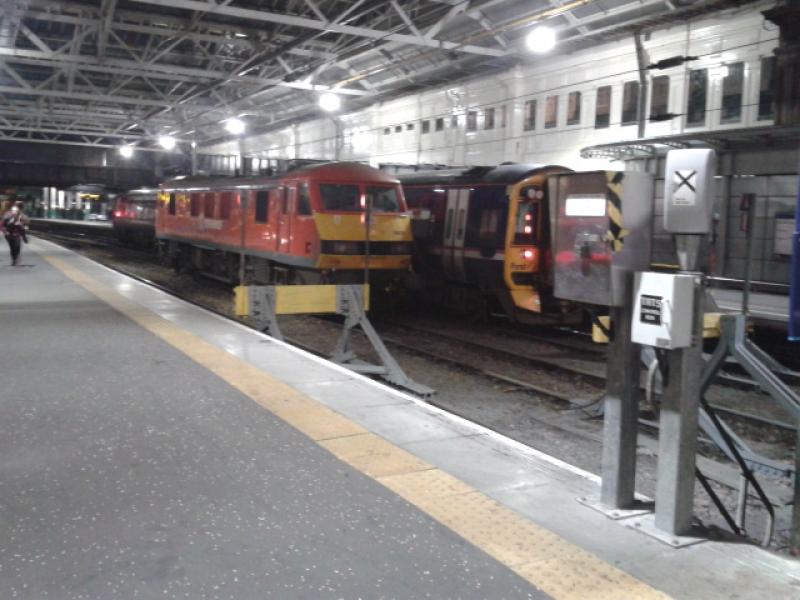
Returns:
(601, 223)
(663, 310)
(689, 191)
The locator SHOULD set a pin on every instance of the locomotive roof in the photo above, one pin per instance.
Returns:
(334, 171)
(501, 174)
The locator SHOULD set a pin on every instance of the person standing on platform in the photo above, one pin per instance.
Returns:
(13, 225)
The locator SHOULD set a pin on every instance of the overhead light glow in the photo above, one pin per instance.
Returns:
(126, 151)
(330, 101)
(167, 142)
(235, 126)
(541, 39)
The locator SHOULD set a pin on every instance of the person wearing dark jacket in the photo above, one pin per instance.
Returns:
(13, 226)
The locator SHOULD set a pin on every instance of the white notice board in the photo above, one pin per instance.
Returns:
(784, 229)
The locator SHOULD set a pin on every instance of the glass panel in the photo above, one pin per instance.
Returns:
(698, 86)
(732, 87)
(488, 118)
(383, 199)
(225, 205)
(472, 120)
(387, 130)
(454, 121)
(304, 201)
(439, 124)
(172, 203)
(398, 128)
(659, 97)
(208, 208)
(602, 108)
(284, 191)
(630, 102)
(195, 201)
(426, 126)
(766, 97)
(503, 116)
(574, 108)
(337, 196)
(530, 115)
(409, 127)
(550, 112)
(262, 207)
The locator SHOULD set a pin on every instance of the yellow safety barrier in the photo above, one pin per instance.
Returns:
(297, 299)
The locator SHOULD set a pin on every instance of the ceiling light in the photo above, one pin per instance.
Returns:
(541, 39)
(126, 151)
(330, 101)
(235, 126)
(167, 142)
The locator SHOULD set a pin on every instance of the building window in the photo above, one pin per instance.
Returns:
(208, 206)
(530, 116)
(488, 118)
(732, 86)
(409, 127)
(472, 120)
(574, 108)
(659, 96)
(225, 205)
(426, 126)
(602, 107)
(262, 207)
(195, 202)
(454, 121)
(387, 130)
(503, 116)
(398, 128)
(439, 126)
(550, 112)
(766, 97)
(698, 88)
(630, 102)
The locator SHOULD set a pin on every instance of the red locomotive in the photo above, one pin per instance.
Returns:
(321, 223)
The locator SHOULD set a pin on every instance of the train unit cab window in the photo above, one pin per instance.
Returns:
(732, 87)
(171, 207)
(574, 108)
(195, 202)
(550, 112)
(383, 199)
(262, 206)
(338, 196)
(208, 206)
(630, 102)
(530, 116)
(303, 200)
(602, 107)
(766, 100)
(527, 216)
(659, 96)
(696, 102)
(225, 205)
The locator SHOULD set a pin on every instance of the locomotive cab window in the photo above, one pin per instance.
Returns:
(527, 219)
(208, 208)
(337, 196)
(172, 204)
(262, 206)
(383, 199)
(303, 200)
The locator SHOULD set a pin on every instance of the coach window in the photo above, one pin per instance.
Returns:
(550, 112)
(530, 116)
(766, 99)
(488, 118)
(262, 206)
(439, 124)
(732, 86)
(208, 209)
(195, 202)
(303, 200)
(225, 205)
(698, 88)
(171, 205)
(574, 108)
(630, 102)
(472, 120)
(602, 107)
(659, 96)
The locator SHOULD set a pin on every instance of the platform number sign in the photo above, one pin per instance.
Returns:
(684, 188)
(650, 309)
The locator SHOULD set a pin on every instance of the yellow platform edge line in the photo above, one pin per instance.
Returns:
(553, 565)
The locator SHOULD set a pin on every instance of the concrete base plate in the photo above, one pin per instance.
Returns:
(615, 514)
(648, 527)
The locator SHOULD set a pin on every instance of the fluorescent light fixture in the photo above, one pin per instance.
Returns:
(167, 142)
(235, 126)
(126, 151)
(330, 102)
(541, 39)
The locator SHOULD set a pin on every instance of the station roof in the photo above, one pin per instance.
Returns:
(110, 72)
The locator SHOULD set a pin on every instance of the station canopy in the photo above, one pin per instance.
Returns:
(113, 72)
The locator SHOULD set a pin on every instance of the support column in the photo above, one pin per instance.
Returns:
(786, 15)
(621, 414)
(677, 440)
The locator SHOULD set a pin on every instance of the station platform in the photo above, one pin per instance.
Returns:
(154, 449)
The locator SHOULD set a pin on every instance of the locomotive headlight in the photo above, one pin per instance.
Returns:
(527, 254)
(541, 39)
